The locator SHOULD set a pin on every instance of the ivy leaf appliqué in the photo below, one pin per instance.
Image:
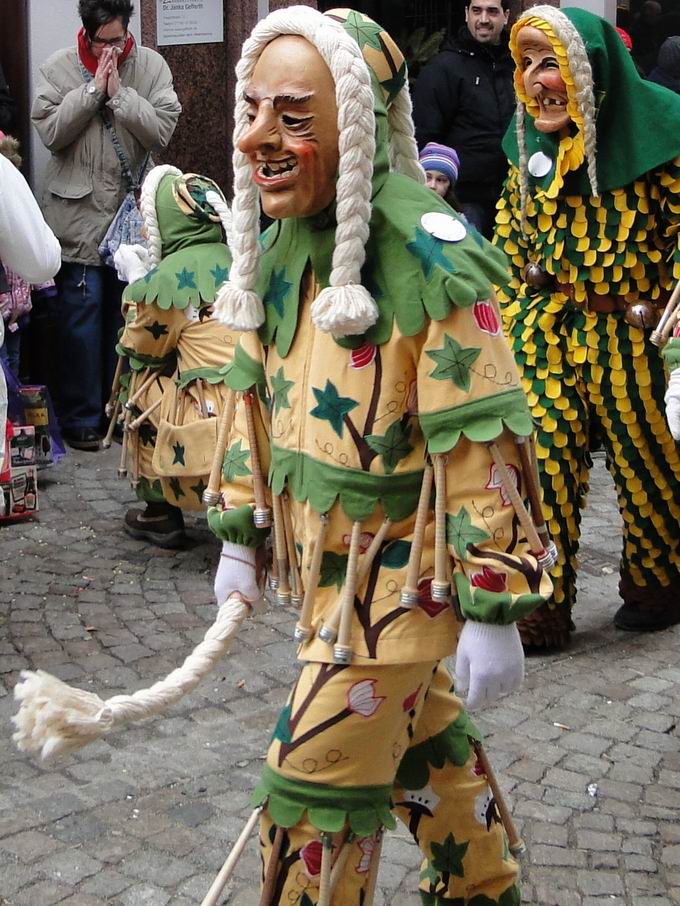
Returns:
(460, 532)
(448, 856)
(332, 407)
(235, 462)
(280, 388)
(392, 446)
(429, 251)
(453, 362)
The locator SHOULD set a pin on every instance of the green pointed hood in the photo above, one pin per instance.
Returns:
(637, 122)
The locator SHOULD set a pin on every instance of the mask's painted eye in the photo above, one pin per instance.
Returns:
(294, 122)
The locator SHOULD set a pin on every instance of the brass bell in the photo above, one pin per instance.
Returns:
(536, 277)
(641, 314)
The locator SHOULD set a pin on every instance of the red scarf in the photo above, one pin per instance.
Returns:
(88, 59)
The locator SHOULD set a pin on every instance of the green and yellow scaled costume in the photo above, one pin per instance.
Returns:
(170, 332)
(344, 430)
(588, 271)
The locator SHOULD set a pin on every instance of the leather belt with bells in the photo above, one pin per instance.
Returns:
(641, 313)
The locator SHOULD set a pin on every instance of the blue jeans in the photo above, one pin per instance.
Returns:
(10, 349)
(86, 318)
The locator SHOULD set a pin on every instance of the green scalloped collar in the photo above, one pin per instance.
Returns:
(190, 276)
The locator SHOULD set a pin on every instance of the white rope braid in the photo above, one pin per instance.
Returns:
(222, 208)
(403, 147)
(345, 306)
(147, 204)
(523, 166)
(55, 719)
(582, 75)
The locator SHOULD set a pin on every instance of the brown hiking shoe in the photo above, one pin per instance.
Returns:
(161, 524)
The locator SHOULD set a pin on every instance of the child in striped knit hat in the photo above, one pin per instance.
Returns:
(441, 165)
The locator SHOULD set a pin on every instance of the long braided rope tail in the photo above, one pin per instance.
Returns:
(56, 719)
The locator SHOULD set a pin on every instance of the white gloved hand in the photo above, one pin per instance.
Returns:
(237, 572)
(132, 262)
(672, 400)
(489, 661)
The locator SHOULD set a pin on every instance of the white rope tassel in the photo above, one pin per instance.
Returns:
(56, 719)
(344, 310)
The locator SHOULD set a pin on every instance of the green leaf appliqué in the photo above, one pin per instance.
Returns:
(453, 362)
(460, 532)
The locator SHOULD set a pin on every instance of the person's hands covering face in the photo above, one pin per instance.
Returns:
(113, 84)
(101, 76)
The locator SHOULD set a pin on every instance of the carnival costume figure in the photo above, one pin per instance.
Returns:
(372, 379)
(173, 393)
(589, 218)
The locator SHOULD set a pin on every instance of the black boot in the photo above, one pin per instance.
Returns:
(160, 523)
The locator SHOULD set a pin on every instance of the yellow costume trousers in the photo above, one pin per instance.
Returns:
(351, 740)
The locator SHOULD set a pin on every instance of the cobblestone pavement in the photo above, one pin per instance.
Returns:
(588, 750)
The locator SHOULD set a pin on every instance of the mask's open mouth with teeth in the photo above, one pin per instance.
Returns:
(552, 103)
(276, 172)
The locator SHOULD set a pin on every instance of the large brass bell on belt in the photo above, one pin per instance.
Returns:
(641, 314)
(536, 277)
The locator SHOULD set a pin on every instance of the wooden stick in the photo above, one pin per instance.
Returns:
(136, 423)
(658, 336)
(303, 629)
(146, 383)
(293, 565)
(329, 631)
(115, 411)
(115, 388)
(342, 651)
(535, 545)
(222, 878)
(272, 869)
(281, 553)
(135, 477)
(325, 876)
(410, 596)
(341, 862)
(515, 842)
(202, 407)
(262, 515)
(122, 464)
(212, 494)
(372, 881)
(531, 480)
(441, 584)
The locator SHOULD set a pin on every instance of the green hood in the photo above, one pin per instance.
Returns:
(195, 262)
(638, 122)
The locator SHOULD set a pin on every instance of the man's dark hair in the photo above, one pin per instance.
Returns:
(505, 4)
(95, 13)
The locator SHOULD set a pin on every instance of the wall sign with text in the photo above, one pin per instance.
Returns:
(190, 21)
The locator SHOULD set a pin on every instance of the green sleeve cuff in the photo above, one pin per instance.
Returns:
(671, 353)
(236, 526)
(499, 608)
(480, 421)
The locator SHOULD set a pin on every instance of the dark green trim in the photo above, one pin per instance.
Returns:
(236, 525)
(480, 420)
(358, 492)
(499, 608)
(329, 809)
(148, 492)
(211, 375)
(452, 744)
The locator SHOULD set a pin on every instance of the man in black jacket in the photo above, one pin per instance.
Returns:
(464, 98)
